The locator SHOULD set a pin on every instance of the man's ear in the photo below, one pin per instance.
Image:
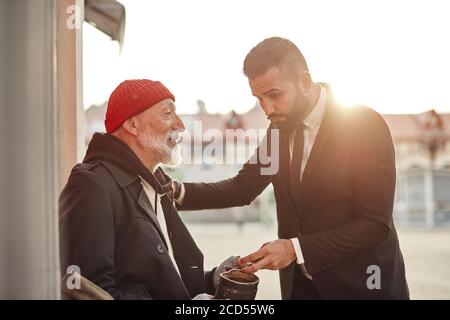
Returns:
(304, 81)
(131, 125)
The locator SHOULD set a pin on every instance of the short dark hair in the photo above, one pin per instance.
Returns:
(274, 52)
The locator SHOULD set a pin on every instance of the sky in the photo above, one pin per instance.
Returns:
(393, 56)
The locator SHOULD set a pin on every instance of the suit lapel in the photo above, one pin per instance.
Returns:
(321, 139)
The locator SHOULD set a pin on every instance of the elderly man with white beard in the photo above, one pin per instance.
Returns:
(118, 222)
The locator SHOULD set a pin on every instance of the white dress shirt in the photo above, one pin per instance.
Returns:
(160, 216)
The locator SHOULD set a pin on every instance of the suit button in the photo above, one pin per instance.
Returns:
(160, 248)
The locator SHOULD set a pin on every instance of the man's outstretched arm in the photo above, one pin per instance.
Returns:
(240, 190)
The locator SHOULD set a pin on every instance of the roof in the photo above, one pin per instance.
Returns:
(412, 127)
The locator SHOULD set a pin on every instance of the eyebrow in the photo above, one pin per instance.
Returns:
(171, 106)
(269, 91)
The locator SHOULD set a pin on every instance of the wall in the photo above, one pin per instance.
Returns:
(30, 264)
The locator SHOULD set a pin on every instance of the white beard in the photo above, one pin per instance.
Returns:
(166, 155)
(176, 157)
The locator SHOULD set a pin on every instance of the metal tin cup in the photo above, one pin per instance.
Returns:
(237, 285)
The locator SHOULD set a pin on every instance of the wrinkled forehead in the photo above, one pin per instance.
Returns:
(164, 105)
(157, 110)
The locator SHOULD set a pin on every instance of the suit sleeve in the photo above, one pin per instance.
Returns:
(87, 233)
(237, 191)
(373, 187)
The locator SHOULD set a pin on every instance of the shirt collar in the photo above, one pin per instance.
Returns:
(315, 117)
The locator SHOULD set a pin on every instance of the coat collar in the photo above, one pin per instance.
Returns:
(122, 177)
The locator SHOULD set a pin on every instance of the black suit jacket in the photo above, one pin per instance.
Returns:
(341, 212)
(109, 229)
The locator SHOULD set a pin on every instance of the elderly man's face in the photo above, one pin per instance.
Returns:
(159, 132)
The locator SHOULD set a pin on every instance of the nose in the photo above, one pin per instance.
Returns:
(268, 108)
(178, 124)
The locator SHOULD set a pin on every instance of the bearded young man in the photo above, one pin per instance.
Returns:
(334, 189)
(118, 224)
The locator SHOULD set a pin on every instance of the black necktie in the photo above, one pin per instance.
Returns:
(296, 162)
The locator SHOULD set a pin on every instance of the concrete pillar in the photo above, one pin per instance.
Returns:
(40, 71)
(3, 163)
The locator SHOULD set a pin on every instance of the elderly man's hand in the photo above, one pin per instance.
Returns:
(225, 265)
(273, 255)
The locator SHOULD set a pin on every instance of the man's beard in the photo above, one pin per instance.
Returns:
(292, 119)
(170, 156)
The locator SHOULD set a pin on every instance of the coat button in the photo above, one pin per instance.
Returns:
(160, 248)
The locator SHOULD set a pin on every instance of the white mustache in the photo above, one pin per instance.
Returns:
(176, 136)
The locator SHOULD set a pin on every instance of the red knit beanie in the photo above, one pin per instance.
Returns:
(132, 97)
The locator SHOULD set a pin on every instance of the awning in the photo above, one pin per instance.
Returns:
(108, 16)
